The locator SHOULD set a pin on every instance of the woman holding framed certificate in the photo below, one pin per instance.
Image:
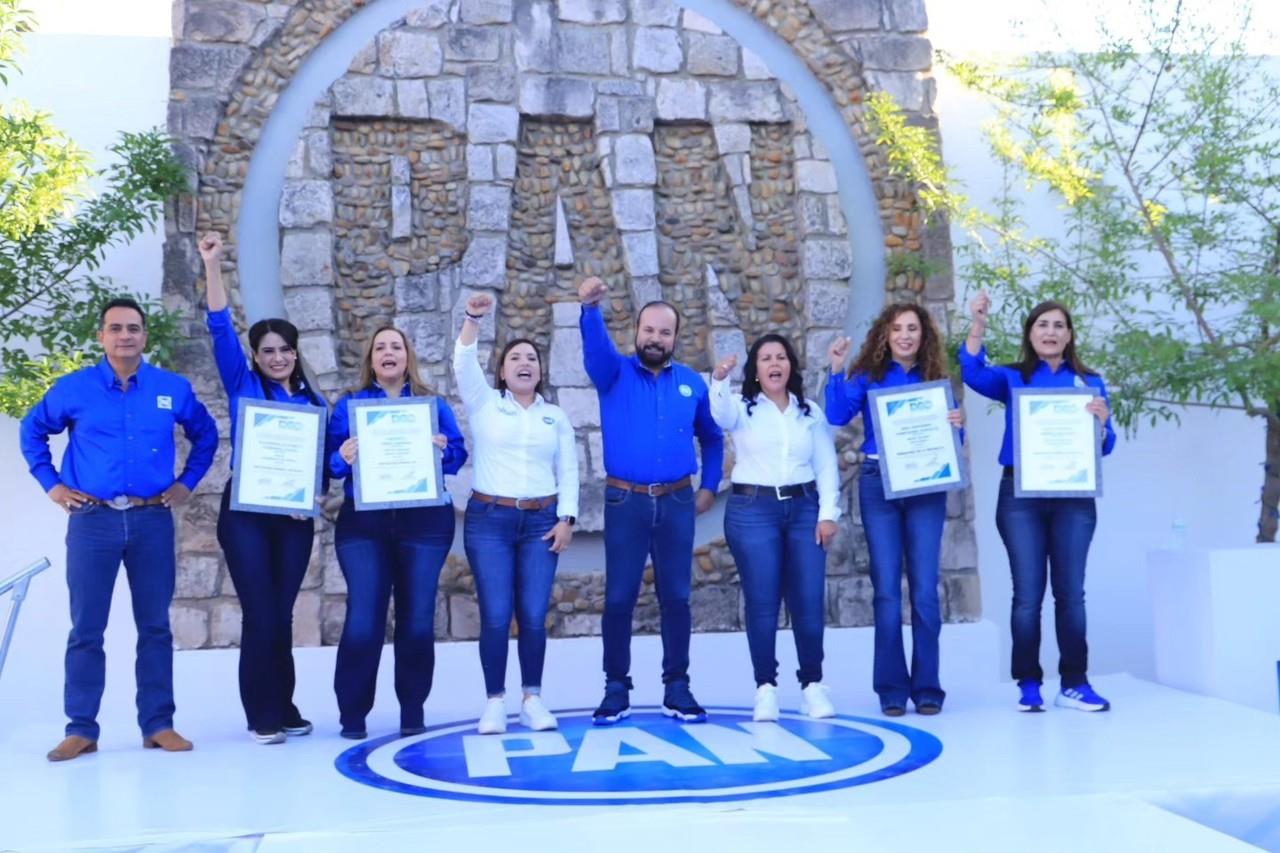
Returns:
(781, 515)
(1057, 425)
(266, 526)
(520, 515)
(902, 350)
(391, 440)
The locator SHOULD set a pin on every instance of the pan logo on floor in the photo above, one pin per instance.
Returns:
(647, 758)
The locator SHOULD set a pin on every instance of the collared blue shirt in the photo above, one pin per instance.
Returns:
(239, 379)
(998, 382)
(848, 396)
(649, 420)
(452, 457)
(121, 439)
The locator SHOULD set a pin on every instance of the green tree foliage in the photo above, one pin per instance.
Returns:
(55, 233)
(1163, 151)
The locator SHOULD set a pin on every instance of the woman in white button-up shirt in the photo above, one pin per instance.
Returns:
(521, 513)
(781, 515)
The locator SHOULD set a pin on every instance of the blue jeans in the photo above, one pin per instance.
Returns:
(772, 541)
(1047, 538)
(267, 558)
(514, 569)
(98, 538)
(910, 527)
(637, 527)
(384, 552)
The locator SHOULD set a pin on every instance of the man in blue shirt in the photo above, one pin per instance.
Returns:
(651, 409)
(117, 485)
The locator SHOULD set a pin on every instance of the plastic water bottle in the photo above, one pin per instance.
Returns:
(1178, 535)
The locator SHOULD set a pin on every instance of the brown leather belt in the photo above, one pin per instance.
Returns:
(128, 502)
(518, 503)
(653, 490)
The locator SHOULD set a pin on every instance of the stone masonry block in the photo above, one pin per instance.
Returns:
(405, 53)
(657, 49)
(492, 123)
(557, 96)
(306, 258)
(681, 100)
(306, 203)
(593, 11)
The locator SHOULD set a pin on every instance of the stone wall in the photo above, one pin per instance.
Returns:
(515, 146)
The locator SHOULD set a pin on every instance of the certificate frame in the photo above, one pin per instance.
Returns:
(954, 474)
(1029, 487)
(250, 413)
(368, 496)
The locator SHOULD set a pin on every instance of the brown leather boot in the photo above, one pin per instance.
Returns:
(72, 746)
(168, 740)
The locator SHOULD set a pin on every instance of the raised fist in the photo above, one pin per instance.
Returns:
(479, 304)
(725, 367)
(838, 352)
(591, 291)
(979, 306)
(211, 247)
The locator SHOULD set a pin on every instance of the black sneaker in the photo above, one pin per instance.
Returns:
(679, 703)
(615, 706)
(298, 727)
(354, 734)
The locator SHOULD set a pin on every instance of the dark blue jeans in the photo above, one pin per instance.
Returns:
(912, 528)
(382, 553)
(772, 541)
(1047, 539)
(267, 558)
(98, 539)
(514, 569)
(637, 527)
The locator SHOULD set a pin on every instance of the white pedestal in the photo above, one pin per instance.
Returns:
(1216, 618)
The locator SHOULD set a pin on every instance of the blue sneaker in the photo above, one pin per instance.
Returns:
(1081, 698)
(679, 703)
(1030, 699)
(615, 706)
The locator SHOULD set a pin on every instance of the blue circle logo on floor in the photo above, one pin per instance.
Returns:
(646, 758)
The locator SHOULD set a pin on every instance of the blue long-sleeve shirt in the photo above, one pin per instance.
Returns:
(121, 438)
(848, 396)
(238, 379)
(451, 459)
(998, 382)
(649, 420)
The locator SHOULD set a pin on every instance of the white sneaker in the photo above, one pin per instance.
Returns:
(815, 702)
(766, 704)
(534, 715)
(267, 737)
(494, 719)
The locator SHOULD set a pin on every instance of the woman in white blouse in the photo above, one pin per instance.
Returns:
(782, 513)
(521, 513)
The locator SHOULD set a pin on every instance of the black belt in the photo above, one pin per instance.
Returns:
(782, 493)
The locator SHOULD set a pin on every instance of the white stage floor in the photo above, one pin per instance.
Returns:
(1058, 781)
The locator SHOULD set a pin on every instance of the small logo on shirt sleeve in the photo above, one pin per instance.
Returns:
(163, 401)
(686, 391)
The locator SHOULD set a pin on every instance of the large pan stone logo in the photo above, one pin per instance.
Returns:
(646, 759)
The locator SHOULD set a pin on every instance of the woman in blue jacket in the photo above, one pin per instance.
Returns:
(903, 347)
(385, 552)
(267, 555)
(1047, 538)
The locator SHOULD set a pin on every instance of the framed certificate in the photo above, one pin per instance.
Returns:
(1057, 445)
(279, 457)
(919, 448)
(397, 465)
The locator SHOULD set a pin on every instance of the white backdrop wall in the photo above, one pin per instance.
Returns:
(1205, 471)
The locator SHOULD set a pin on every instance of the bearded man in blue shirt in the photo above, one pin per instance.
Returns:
(651, 409)
(117, 486)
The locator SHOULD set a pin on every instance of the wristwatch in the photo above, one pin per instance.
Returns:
(569, 520)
